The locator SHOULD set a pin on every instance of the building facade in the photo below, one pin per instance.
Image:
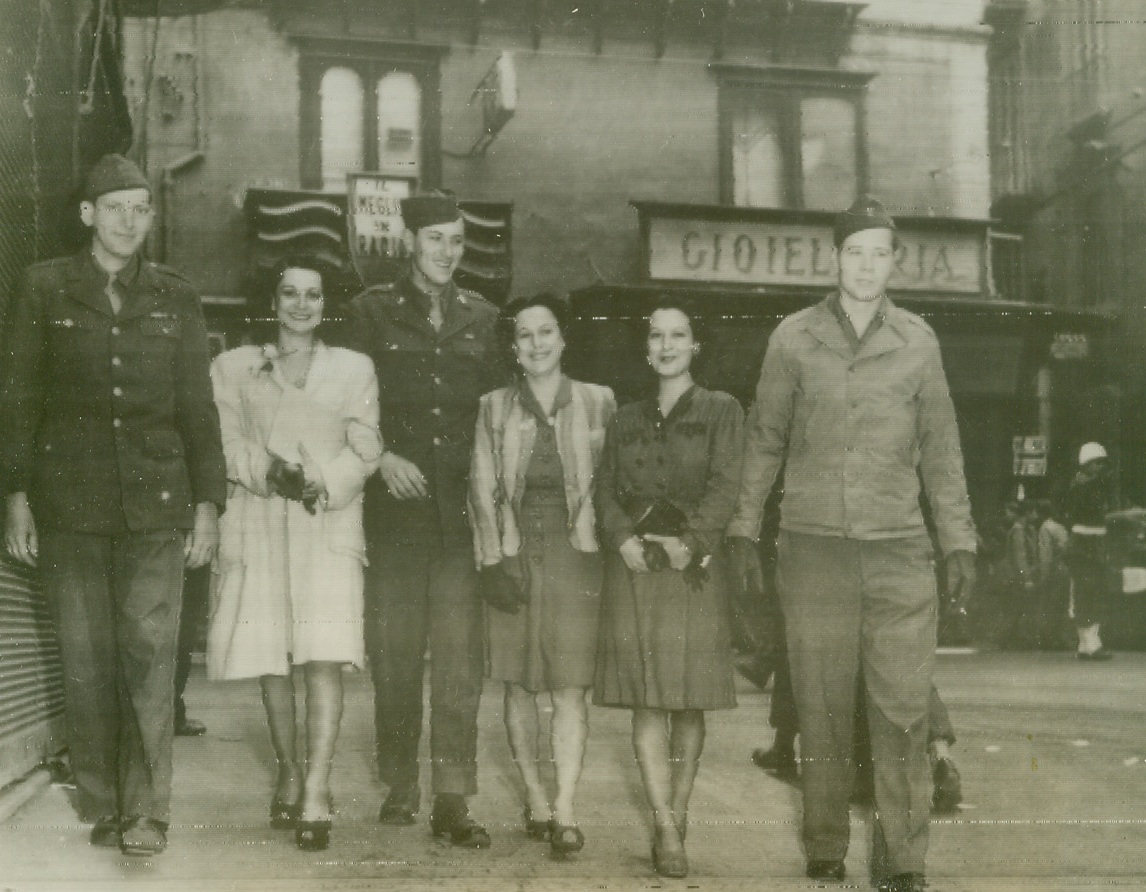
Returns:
(1068, 146)
(251, 117)
(758, 102)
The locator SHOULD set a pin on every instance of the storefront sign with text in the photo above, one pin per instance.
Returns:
(801, 254)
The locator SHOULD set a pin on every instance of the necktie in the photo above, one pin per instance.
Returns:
(436, 316)
(113, 295)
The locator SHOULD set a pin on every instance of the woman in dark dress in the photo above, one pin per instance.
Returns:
(537, 445)
(664, 648)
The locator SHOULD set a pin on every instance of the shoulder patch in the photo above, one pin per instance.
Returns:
(474, 299)
(913, 319)
(54, 263)
(168, 271)
(796, 319)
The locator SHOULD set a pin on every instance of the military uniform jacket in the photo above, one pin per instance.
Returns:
(429, 385)
(110, 424)
(859, 425)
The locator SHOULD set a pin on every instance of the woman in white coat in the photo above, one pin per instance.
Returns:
(300, 434)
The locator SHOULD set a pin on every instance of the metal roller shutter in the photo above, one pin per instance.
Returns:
(31, 678)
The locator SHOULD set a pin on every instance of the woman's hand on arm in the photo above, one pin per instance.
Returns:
(633, 554)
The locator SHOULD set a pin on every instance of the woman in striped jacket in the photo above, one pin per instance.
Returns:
(536, 449)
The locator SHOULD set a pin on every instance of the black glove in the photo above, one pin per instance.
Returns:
(287, 480)
(500, 590)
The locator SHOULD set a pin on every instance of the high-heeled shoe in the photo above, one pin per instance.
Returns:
(566, 839)
(284, 815)
(312, 836)
(539, 830)
(668, 864)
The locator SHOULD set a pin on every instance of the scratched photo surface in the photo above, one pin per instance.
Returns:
(619, 153)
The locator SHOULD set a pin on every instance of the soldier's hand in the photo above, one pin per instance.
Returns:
(744, 564)
(20, 530)
(402, 477)
(202, 542)
(633, 553)
(960, 577)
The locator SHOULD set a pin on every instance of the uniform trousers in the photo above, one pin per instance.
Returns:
(849, 603)
(116, 602)
(418, 594)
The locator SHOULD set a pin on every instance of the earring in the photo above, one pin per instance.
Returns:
(696, 348)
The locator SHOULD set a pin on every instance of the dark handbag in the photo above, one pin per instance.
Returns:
(500, 590)
(660, 517)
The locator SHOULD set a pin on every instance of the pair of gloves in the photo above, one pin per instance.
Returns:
(288, 480)
(500, 590)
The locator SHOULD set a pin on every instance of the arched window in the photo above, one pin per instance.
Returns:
(341, 100)
(369, 106)
(399, 124)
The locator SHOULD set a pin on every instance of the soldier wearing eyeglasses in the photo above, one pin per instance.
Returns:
(113, 474)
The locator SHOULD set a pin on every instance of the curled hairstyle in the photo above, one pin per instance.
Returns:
(264, 285)
(507, 320)
(682, 304)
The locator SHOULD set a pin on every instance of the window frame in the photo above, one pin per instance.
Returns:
(789, 86)
(371, 60)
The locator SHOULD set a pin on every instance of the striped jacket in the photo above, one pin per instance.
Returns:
(503, 443)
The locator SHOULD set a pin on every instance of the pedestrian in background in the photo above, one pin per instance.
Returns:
(114, 478)
(1088, 500)
(435, 350)
(667, 488)
(853, 401)
(537, 447)
(1021, 575)
(1053, 575)
(300, 433)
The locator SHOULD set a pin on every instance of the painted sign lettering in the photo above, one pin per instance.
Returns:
(782, 254)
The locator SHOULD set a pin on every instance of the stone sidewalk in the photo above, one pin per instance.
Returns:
(1052, 756)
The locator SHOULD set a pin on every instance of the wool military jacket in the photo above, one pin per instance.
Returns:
(429, 384)
(109, 420)
(859, 424)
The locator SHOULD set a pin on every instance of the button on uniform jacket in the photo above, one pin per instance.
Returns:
(429, 384)
(109, 420)
(859, 426)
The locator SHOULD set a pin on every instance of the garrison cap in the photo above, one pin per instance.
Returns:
(865, 213)
(113, 173)
(429, 209)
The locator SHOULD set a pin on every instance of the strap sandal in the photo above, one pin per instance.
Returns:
(285, 815)
(566, 839)
(312, 836)
(539, 830)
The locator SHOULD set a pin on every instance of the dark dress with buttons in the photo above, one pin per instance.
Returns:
(662, 643)
(551, 643)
